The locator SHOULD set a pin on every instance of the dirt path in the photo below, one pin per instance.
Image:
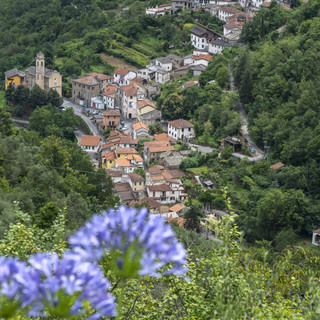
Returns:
(117, 62)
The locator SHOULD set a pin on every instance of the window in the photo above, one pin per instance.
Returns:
(189, 129)
(118, 155)
(135, 183)
(110, 161)
(140, 183)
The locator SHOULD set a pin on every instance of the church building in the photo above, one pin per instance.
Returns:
(45, 78)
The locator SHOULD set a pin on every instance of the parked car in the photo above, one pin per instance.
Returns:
(123, 128)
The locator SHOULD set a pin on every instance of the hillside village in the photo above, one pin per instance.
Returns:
(144, 167)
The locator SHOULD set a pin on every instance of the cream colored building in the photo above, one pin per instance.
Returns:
(45, 78)
(147, 112)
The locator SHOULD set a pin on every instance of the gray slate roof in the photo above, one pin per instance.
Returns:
(48, 72)
(14, 72)
(163, 60)
(221, 43)
(198, 31)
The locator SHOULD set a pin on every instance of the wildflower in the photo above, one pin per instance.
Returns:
(141, 244)
(64, 285)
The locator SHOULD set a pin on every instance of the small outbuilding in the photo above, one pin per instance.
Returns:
(316, 237)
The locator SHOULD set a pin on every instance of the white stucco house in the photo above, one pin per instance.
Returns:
(123, 76)
(181, 130)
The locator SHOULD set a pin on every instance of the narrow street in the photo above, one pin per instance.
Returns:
(77, 110)
(259, 154)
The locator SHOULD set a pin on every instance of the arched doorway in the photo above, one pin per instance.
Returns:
(130, 115)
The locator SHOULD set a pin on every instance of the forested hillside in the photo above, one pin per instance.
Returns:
(81, 36)
(278, 81)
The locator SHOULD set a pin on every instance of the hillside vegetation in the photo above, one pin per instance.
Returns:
(74, 35)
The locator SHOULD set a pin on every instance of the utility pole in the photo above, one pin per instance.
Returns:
(266, 148)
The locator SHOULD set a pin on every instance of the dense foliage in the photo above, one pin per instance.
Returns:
(47, 173)
(81, 36)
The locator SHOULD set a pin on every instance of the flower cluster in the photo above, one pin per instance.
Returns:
(136, 235)
(47, 285)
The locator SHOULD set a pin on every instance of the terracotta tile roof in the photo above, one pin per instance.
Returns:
(114, 173)
(139, 125)
(265, 4)
(153, 204)
(123, 163)
(151, 144)
(122, 71)
(277, 166)
(100, 76)
(135, 157)
(166, 174)
(136, 79)
(165, 5)
(206, 57)
(156, 169)
(159, 187)
(177, 207)
(135, 177)
(176, 173)
(90, 141)
(179, 221)
(126, 150)
(156, 177)
(163, 137)
(143, 103)
(183, 68)
(130, 89)
(107, 145)
(317, 230)
(122, 186)
(230, 10)
(181, 123)
(109, 156)
(110, 89)
(128, 140)
(189, 84)
(161, 149)
(89, 80)
(111, 112)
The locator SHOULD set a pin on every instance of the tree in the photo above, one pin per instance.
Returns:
(46, 215)
(192, 219)
(54, 98)
(172, 107)
(279, 210)
(38, 97)
(10, 92)
(223, 76)
(21, 95)
(6, 123)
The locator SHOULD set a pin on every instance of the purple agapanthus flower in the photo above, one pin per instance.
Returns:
(10, 270)
(67, 277)
(144, 236)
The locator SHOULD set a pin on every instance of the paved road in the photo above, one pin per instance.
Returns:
(20, 121)
(244, 128)
(77, 110)
(203, 149)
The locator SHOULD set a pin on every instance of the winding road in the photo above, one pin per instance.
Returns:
(77, 110)
(244, 128)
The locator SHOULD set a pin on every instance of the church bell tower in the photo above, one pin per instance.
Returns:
(40, 70)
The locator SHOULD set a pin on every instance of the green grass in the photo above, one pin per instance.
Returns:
(305, 242)
(3, 103)
(200, 170)
(236, 188)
